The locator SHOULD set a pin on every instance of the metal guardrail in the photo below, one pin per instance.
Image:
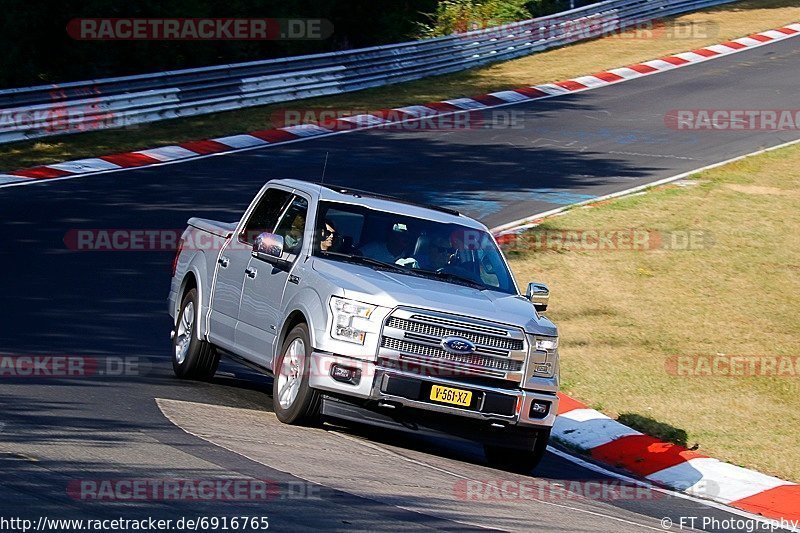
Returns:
(32, 112)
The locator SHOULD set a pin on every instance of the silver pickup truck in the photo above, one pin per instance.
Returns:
(370, 309)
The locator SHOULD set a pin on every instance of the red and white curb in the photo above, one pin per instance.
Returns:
(377, 119)
(673, 466)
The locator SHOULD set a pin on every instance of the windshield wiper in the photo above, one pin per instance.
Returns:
(454, 277)
(367, 261)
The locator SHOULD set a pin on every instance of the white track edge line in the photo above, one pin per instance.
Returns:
(36, 181)
(510, 226)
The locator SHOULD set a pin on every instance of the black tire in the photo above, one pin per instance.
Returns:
(200, 359)
(521, 461)
(303, 407)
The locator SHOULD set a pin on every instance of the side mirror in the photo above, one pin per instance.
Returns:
(268, 247)
(539, 295)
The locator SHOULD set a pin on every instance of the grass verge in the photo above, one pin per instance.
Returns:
(712, 26)
(625, 316)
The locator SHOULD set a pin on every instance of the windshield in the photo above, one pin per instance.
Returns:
(450, 252)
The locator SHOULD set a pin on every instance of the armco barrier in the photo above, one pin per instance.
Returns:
(32, 112)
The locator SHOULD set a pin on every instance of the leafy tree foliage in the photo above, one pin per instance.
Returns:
(38, 50)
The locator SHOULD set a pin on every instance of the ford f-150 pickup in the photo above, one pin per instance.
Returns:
(371, 309)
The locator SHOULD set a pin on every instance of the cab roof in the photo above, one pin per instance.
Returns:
(381, 202)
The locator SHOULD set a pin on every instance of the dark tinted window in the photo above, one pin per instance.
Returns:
(265, 216)
(292, 225)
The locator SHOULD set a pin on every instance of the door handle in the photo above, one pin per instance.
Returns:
(251, 272)
(223, 261)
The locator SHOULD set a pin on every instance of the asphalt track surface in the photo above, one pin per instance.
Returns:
(146, 424)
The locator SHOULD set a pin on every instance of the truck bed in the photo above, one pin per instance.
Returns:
(221, 229)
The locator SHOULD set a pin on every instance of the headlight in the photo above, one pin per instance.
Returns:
(350, 319)
(543, 365)
(546, 344)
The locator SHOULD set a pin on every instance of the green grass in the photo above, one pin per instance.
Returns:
(623, 314)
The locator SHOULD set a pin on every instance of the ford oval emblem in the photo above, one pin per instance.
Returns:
(457, 345)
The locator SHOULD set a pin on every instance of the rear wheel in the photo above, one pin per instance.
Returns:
(192, 358)
(294, 401)
(518, 460)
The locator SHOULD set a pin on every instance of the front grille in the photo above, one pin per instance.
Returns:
(440, 332)
(412, 337)
(494, 363)
(461, 325)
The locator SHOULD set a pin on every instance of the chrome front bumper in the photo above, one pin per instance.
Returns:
(373, 385)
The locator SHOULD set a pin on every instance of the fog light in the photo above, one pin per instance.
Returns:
(539, 409)
(344, 374)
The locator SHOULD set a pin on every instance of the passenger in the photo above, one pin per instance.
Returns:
(293, 241)
(391, 249)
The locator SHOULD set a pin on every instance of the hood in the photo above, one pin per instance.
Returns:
(391, 289)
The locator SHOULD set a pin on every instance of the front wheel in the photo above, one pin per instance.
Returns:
(521, 461)
(192, 358)
(294, 401)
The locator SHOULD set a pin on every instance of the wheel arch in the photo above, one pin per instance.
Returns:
(194, 278)
(306, 304)
(188, 283)
(293, 319)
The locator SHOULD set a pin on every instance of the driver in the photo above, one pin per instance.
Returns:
(436, 255)
(328, 237)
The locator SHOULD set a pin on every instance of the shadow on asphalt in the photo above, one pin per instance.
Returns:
(60, 301)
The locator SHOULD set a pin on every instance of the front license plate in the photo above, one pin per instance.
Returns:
(450, 395)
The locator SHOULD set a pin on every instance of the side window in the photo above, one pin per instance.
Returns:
(292, 226)
(265, 216)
